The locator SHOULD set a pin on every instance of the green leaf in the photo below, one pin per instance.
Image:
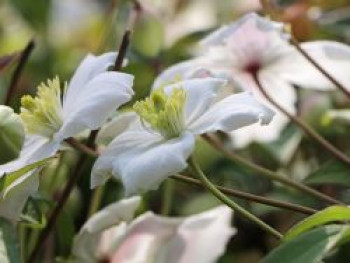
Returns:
(311, 246)
(65, 232)
(330, 214)
(11, 134)
(9, 246)
(148, 36)
(34, 214)
(10, 178)
(35, 14)
(332, 172)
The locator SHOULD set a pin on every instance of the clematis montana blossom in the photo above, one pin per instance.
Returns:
(91, 96)
(162, 134)
(257, 46)
(111, 236)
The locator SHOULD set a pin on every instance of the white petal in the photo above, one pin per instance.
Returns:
(115, 127)
(219, 36)
(196, 234)
(144, 238)
(144, 168)
(12, 204)
(35, 148)
(282, 92)
(177, 72)
(176, 240)
(232, 113)
(102, 95)
(12, 200)
(258, 133)
(142, 160)
(85, 246)
(89, 68)
(200, 94)
(332, 56)
(131, 138)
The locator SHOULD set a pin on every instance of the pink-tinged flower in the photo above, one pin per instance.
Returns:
(161, 136)
(257, 46)
(90, 98)
(109, 236)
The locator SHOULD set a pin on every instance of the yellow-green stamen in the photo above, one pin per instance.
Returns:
(163, 112)
(43, 114)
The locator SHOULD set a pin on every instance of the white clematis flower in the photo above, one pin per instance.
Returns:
(257, 46)
(110, 236)
(91, 96)
(162, 136)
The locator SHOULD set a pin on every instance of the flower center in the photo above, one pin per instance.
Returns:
(43, 114)
(252, 67)
(163, 112)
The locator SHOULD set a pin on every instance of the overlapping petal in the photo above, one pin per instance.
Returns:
(102, 95)
(87, 240)
(107, 236)
(115, 127)
(89, 68)
(176, 240)
(142, 159)
(178, 72)
(332, 56)
(219, 36)
(13, 198)
(231, 113)
(200, 95)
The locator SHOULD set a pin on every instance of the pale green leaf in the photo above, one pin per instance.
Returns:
(330, 214)
(333, 172)
(11, 134)
(9, 178)
(310, 247)
(9, 246)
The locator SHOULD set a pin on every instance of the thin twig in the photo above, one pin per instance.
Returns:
(82, 147)
(279, 177)
(18, 71)
(336, 83)
(251, 197)
(305, 127)
(122, 50)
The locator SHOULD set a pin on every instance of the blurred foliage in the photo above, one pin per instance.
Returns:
(66, 30)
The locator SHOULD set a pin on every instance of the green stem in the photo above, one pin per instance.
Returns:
(275, 176)
(218, 194)
(167, 199)
(22, 239)
(96, 200)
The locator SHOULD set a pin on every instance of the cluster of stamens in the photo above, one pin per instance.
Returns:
(163, 112)
(42, 114)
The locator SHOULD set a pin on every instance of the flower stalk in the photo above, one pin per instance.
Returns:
(18, 71)
(223, 198)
